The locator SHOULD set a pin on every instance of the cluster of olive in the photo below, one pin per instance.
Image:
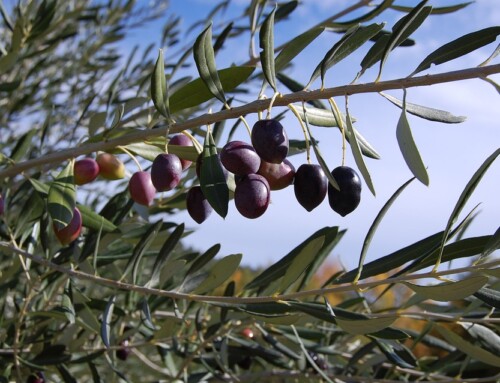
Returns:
(262, 167)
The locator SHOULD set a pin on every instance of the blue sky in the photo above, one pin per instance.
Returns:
(452, 153)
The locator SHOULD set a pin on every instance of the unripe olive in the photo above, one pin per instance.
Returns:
(69, 233)
(110, 167)
(85, 170)
(279, 175)
(141, 188)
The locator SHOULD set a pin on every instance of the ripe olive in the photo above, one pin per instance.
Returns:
(166, 172)
(270, 140)
(252, 195)
(197, 205)
(310, 186)
(141, 188)
(240, 158)
(345, 200)
(124, 351)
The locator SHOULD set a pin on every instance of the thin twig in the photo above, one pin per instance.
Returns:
(237, 300)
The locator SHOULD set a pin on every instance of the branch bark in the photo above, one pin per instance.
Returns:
(252, 107)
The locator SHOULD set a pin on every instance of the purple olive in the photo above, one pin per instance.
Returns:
(197, 205)
(141, 188)
(85, 170)
(252, 195)
(270, 140)
(345, 200)
(310, 186)
(279, 176)
(182, 140)
(240, 158)
(37, 377)
(124, 351)
(166, 172)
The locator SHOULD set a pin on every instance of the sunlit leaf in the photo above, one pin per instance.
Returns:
(106, 321)
(435, 10)
(459, 47)
(95, 221)
(426, 112)
(449, 291)
(212, 179)
(219, 273)
(409, 149)
(204, 58)
(486, 337)
(468, 348)
(397, 353)
(364, 326)
(266, 43)
(62, 197)
(159, 90)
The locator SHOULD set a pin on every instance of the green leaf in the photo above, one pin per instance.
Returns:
(204, 58)
(436, 10)
(266, 43)
(364, 326)
(486, 337)
(62, 197)
(375, 224)
(409, 149)
(295, 46)
(459, 47)
(212, 180)
(397, 353)
(426, 112)
(167, 248)
(106, 321)
(145, 150)
(449, 291)
(474, 352)
(489, 296)
(140, 249)
(159, 90)
(356, 152)
(219, 273)
(23, 145)
(351, 41)
(464, 197)
(95, 221)
(404, 28)
(278, 270)
(203, 259)
(195, 92)
(301, 262)
(493, 245)
(368, 16)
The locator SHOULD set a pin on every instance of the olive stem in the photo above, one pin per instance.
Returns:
(251, 107)
(338, 116)
(126, 151)
(306, 138)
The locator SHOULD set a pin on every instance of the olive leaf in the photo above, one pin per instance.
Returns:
(61, 197)
(159, 88)
(266, 43)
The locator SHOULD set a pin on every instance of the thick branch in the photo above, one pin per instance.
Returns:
(252, 107)
(235, 300)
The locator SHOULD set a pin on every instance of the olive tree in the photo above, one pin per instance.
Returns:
(101, 147)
